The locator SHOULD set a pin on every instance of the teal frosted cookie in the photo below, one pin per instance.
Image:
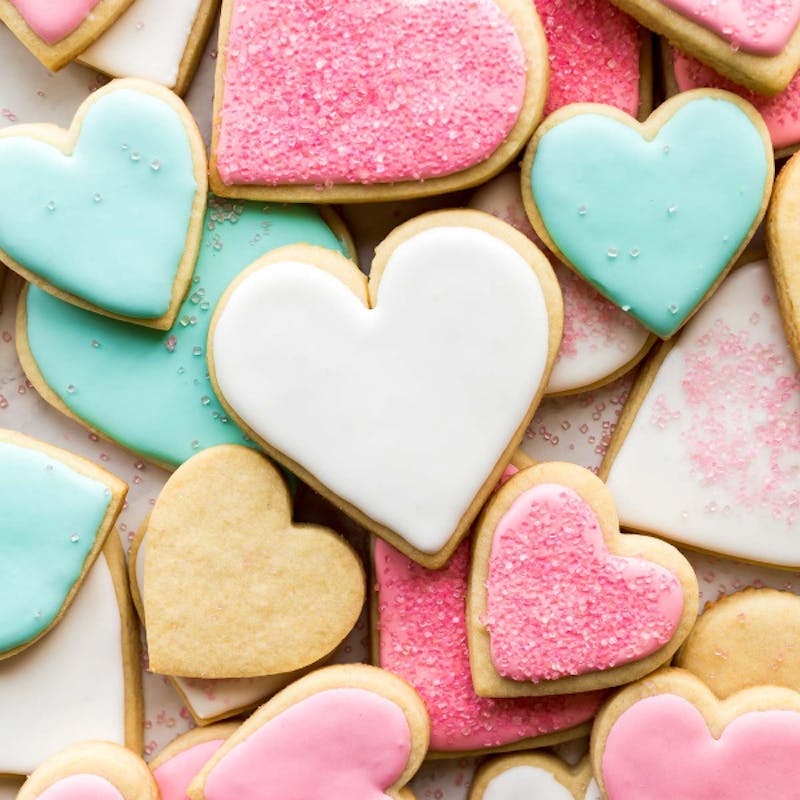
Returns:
(57, 510)
(108, 214)
(147, 389)
(652, 214)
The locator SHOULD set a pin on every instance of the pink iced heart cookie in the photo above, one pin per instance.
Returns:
(668, 736)
(559, 600)
(387, 99)
(349, 731)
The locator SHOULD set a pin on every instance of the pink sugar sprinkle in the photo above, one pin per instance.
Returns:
(423, 638)
(781, 112)
(322, 92)
(594, 54)
(559, 604)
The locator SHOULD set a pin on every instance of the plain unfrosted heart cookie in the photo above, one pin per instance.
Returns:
(560, 600)
(383, 100)
(89, 366)
(91, 770)
(751, 638)
(717, 411)
(233, 589)
(348, 731)
(668, 736)
(627, 204)
(369, 390)
(57, 511)
(108, 214)
(55, 32)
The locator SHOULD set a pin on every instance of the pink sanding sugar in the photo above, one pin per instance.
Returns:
(559, 604)
(321, 92)
(423, 638)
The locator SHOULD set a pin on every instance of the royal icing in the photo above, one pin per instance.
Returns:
(722, 418)
(54, 21)
(423, 639)
(781, 112)
(593, 791)
(337, 742)
(51, 518)
(558, 604)
(107, 223)
(763, 27)
(339, 388)
(661, 748)
(149, 390)
(81, 787)
(174, 775)
(599, 339)
(420, 90)
(148, 41)
(526, 782)
(655, 248)
(70, 685)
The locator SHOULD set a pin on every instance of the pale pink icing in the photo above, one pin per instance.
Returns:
(781, 112)
(661, 749)
(762, 27)
(423, 638)
(174, 776)
(54, 20)
(338, 743)
(594, 54)
(355, 92)
(559, 604)
(81, 787)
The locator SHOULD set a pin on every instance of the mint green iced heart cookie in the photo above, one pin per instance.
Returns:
(108, 214)
(652, 223)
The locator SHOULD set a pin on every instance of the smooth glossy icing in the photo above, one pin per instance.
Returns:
(107, 223)
(81, 787)
(76, 671)
(54, 21)
(423, 639)
(652, 223)
(51, 517)
(526, 783)
(147, 389)
(722, 419)
(380, 404)
(148, 41)
(660, 748)
(174, 776)
(336, 743)
(419, 90)
(763, 27)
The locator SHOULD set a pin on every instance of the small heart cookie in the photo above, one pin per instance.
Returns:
(369, 390)
(349, 731)
(232, 588)
(560, 600)
(91, 771)
(626, 204)
(533, 775)
(668, 736)
(108, 214)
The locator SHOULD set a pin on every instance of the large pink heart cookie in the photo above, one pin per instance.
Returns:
(559, 600)
(391, 98)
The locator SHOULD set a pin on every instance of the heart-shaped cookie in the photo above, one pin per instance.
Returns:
(718, 409)
(349, 731)
(626, 204)
(58, 510)
(370, 391)
(532, 775)
(668, 736)
(108, 214)
(92, 367)
(232, 588)
(91, 771)
(560, 600)
(380, 100)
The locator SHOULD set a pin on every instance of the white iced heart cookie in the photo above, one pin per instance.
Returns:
(401, 398)
(532, 776)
